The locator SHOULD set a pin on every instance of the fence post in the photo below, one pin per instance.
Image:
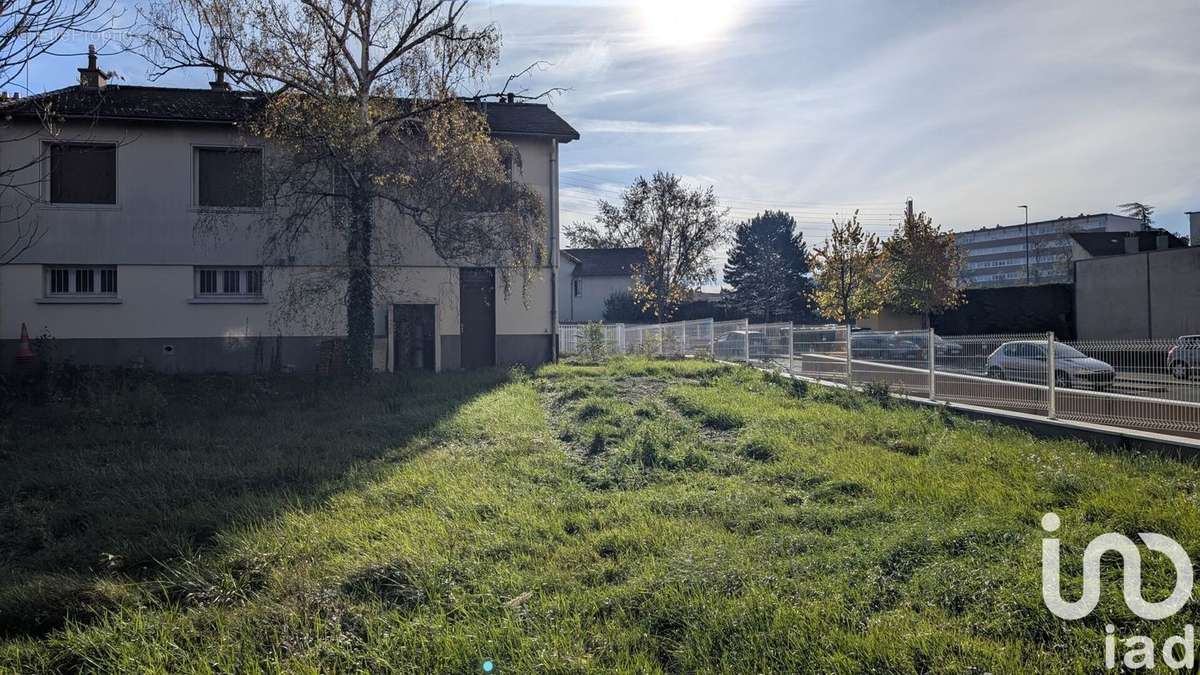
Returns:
(791, 349)
(1051, 406)
(849, 360)
(746, 341)
(712, 342)
(932, 366)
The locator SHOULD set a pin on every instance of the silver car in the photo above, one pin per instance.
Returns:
(1183, 359)
(1025, 361)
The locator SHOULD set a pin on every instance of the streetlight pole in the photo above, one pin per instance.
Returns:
(1028, 276)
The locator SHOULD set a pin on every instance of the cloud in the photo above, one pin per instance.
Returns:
(602, 126)
(598, 166)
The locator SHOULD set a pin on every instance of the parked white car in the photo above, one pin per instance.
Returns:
(1025, 361)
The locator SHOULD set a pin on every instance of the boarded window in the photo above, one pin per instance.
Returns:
(83, 173)
(229, 177)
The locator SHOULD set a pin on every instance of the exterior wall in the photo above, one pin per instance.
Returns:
(1155, 294)
(151, 234)
(589, 305)
(997, 256)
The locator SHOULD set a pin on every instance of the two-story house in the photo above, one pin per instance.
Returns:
(590, 276)
(116, 181)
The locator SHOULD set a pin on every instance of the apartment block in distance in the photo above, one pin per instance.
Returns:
(1037, 253)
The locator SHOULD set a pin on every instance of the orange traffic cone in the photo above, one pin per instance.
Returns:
(25, 354)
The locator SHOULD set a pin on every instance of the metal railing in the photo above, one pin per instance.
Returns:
(1149, 385)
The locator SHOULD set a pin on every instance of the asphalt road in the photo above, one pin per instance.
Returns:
(1147, 402)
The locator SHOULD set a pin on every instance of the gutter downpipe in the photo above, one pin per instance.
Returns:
(554, 250)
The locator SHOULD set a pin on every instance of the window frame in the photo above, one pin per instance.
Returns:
(195, 149)
(45, 192)
(74, 276)
(220, 277)
(577, 288)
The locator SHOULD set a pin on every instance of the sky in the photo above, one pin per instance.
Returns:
(821, 108)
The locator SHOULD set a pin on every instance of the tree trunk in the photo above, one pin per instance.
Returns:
(360, 309)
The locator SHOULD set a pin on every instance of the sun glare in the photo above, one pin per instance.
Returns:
(683, 23)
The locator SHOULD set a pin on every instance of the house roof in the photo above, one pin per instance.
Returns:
(606, 262)
(209, 106)
(1113, 243)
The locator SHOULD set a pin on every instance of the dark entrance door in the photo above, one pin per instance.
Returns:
(477, 307)
(414, 337)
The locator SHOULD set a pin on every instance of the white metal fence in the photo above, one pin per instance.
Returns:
(1150, 385)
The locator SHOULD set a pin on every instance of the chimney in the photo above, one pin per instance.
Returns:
(1131, 243)
(219, 84)
(1194, 216)
(92, 77)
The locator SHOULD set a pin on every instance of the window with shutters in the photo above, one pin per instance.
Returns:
(229, 178)
(82, 173)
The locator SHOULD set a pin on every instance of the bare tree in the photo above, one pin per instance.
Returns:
(362, 108)
(677, 226)
(31, 29)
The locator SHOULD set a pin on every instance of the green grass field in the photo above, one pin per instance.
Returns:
(641, 516)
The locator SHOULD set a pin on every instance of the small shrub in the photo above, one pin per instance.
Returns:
(592, 344)
(518, 374)
(879, 393)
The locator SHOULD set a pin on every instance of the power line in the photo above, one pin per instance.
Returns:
(616, 190)
(598, 180)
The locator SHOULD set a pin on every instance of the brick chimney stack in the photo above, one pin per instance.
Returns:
(92, 77)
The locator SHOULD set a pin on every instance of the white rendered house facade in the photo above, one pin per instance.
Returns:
(120, 274)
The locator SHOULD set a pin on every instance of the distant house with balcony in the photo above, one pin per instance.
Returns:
(1038, 253)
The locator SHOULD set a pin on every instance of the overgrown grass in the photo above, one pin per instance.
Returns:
(643, 516)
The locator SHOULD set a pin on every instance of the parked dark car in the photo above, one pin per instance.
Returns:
(887, 347)
(1025, 361)
(1183, 359)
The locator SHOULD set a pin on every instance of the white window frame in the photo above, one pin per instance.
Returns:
(244, 276)
(74, 275)
(73, 295)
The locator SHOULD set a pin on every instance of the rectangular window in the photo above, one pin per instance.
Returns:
(208, 281)
(234, 281)
(229, 177)
(254, 282)
(577, 287)
(108, 281)
(81, 281)
(83, 173)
